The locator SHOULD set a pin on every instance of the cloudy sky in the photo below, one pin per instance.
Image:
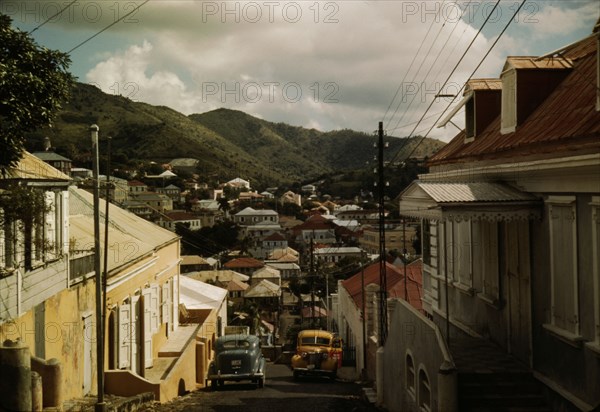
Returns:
(322, 64)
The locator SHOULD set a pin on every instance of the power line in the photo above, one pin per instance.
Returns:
(451, 73)
(55, 15)
(432, 64)
(472, 74)
(410, 67)
(421, 66)
(107, 27)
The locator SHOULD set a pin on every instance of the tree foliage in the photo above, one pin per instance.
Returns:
(34, 81)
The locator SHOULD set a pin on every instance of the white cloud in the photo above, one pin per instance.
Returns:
(336, 66)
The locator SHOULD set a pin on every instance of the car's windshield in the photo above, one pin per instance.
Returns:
(314, 341)
(233, 344)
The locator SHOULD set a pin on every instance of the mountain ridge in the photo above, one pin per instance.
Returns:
(228, 143)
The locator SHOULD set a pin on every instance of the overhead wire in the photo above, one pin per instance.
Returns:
(432, 64)
(448, 78)
(472, 74)
(58, 13)
(107, 27)
(410, 66)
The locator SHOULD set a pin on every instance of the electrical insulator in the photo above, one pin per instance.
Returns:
(387, 183)
(386, 144)
(375, 170)
(375, 184)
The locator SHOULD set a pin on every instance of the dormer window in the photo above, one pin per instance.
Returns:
(508, 122)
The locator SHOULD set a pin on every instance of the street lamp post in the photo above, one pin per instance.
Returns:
(100, 405)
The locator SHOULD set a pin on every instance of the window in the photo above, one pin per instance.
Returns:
(426, 239)
(462, 253)
(563, 263)
(508, 120)
(424, 391)
(410, 375)
(485, 247)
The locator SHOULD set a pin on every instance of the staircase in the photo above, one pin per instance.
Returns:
(500, 392)
(491, 380)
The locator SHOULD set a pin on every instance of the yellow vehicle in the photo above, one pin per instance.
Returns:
(318, 352)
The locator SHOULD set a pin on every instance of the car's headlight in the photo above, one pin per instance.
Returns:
(304, 354)
(325, 355)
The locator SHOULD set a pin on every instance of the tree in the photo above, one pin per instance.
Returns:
(34, 81)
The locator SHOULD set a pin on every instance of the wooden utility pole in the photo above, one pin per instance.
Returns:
(383, 329)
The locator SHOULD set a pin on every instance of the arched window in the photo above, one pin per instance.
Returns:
(424, 391)
(410, 375)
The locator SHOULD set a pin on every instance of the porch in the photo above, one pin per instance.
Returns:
(173, 372)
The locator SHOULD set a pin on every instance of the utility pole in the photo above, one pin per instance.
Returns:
(364, 318)
(312, 285)
(404, 259)
(100, 405)
(382, 262)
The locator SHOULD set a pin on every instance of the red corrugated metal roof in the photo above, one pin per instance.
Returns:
(244, 262)
(394, 280)
(567, 122)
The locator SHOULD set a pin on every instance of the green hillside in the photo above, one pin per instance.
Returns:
(227, 143)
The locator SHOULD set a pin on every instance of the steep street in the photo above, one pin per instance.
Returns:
(281, 393)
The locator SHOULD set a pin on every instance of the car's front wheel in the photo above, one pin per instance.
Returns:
(261, 383)
(213, 384)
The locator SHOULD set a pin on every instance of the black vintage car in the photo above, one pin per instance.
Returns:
(237, 358)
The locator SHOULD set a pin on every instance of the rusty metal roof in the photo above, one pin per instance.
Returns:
(566, 123)
(483, 84)
(534, 62)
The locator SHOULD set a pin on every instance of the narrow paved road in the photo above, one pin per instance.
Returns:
(281, 393)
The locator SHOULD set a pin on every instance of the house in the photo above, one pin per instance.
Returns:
(172, 191)
(155, 201)
(55, 160)
(267, 272)
(287, 270)
(321, 230)
(139, 208)
(186, 164)
(265, 294)
(250, 196)
(291, 197)
(39, 300)
(170, 220)
(245, 265)
(218, 277)
(249, 216)
(286, 254)
(193, 263)
(510, 221)
(238, 183)
(335, 254)
(142, 294)
(235, 291)
(357, 301)
(397, 237)
(135, 187)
